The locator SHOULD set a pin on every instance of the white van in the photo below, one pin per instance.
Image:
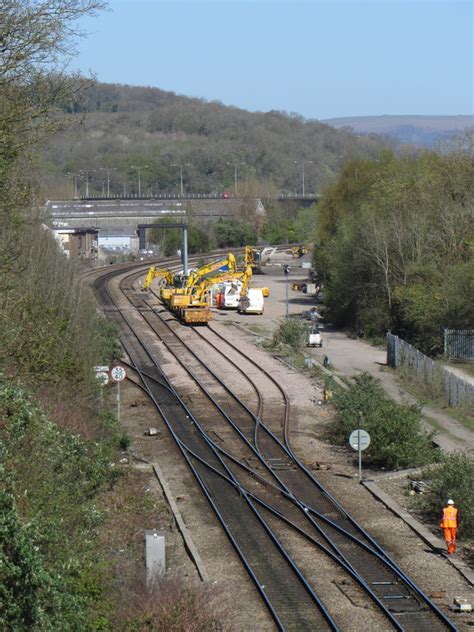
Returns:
(252, 302)
(231, 294)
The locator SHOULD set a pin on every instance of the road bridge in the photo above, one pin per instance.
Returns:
(115, 212)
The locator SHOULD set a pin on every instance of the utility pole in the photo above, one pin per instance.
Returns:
(139, 169)
(309, 162)
(235, 174)
(108, 169)
(286, 271)
(186, 164)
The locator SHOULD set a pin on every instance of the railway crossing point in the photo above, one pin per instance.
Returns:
(359, 440)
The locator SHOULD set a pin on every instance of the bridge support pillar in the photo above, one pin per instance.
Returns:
(185, 250)
(141, 232)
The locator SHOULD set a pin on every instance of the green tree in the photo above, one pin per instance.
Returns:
(230, 232)
(395, 246)
(170, 240)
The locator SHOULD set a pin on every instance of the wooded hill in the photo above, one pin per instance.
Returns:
(116, 126)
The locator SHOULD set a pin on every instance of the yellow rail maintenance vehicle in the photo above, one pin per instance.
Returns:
(191, 301)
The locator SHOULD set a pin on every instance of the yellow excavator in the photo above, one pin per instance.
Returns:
(252, 257)
(191, 302)
(228, 264)
(154, 272)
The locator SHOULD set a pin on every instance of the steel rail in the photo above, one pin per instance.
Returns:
(275, 540)
(379, 552)
(303, 507)
(354, 523)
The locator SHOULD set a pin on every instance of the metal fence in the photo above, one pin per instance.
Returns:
(459, 344)
(456, 390)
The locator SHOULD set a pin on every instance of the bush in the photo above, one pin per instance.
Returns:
(50, 480)
(397, 439)
(453, 479)
(124, 442)
(292, 333)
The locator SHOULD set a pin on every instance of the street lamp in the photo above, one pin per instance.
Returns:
(186, 164)
(108, 169)
(235, 174)
(308, 162)
(73, 177)
(139, 169)
(86, 177)
(286, 270)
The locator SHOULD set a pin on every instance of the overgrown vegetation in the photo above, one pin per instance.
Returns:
(454, 478)
(396, 246)
(50, 328)
(397, 439)
(167, 605)
(292, 333)
(49, 485)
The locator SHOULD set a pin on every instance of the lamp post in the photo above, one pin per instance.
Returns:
(108, 169)
(139, 169)
(308, 162)
(73, 177)
(286, 270)
(186, 164)
(235, 174)
(86, 178)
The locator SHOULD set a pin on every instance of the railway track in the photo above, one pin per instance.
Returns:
(283, 524)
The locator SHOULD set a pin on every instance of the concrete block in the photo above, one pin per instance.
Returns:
(154, 555)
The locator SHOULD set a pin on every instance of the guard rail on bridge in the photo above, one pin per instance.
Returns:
(196, 196)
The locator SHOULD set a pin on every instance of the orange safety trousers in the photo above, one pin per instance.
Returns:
(450, 537)
(449, 525)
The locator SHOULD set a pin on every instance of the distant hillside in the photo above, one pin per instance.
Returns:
(123, 137)
(425, 131)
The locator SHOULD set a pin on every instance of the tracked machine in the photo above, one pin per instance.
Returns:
(190, 302)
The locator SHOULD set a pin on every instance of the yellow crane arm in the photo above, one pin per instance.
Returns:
(155, 272)
(195, 276)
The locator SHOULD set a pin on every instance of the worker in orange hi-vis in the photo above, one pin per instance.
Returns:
(449, 524)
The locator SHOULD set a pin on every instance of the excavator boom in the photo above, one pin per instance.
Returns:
(156, 272)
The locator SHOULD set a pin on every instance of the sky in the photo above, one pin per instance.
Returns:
(318, 58)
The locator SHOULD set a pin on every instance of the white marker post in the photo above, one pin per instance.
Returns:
(359, 440)
(118, 374)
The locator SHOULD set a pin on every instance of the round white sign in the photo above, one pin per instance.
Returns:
(359, 439)
(118, 374)
(102, 377)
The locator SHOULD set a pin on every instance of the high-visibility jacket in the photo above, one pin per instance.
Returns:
(450, 517)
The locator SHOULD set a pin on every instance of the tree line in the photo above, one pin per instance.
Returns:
(395, 245)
